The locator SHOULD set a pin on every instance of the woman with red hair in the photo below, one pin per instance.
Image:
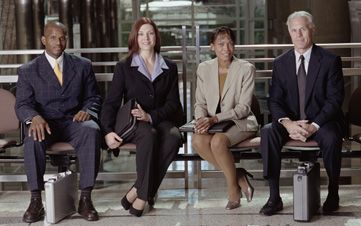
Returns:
(152, 81)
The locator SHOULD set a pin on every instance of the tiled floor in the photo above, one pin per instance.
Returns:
(190, 207)
(176, 206)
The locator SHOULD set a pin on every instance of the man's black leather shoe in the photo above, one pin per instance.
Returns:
(35, 211)
(331, 204)
(87, 210)
(271, 208)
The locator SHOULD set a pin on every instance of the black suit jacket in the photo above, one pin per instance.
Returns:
(324, 87)
(39, 92)
(159, 98)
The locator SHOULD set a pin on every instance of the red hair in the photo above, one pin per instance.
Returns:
(133, 36)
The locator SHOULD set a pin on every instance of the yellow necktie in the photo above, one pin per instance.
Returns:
(58, 73)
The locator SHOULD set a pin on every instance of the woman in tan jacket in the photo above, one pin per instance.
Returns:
(224, 92)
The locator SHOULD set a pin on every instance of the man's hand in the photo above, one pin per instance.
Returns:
(140, 114)
(113, 140)
(81, 116)
(204, 123)
(310, 128)
(37, 128)
(295, 130)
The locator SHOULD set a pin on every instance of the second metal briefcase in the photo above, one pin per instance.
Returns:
(61, 194)
(306, 191)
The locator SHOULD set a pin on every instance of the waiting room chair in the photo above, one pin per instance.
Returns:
(8, 120)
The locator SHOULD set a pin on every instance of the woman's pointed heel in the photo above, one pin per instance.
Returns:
(249, 190)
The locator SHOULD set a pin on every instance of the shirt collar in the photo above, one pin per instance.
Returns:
(159, 60)
(137, 61)
(52, 60)
(306, 55)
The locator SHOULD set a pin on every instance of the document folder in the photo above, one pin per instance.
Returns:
(216, 128)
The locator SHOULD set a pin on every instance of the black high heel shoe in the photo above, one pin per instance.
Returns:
(125, 203)
(135, 212)
(248, 192)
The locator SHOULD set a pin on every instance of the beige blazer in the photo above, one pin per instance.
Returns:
(237, 93)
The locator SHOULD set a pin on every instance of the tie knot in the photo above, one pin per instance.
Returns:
(302, 58)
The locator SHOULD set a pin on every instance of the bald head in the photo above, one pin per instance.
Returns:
(55, 24)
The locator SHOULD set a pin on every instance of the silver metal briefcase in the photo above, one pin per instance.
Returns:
(61, 194)
(306, 191)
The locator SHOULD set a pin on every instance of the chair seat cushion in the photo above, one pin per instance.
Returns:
(4, 143)
(297, 145)
(60, 148)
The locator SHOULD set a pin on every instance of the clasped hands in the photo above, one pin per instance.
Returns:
(299, 130)
(113, 140)
(204, 123)
(38, 125)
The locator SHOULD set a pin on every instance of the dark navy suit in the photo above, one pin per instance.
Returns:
(39, 93)
(323, 102)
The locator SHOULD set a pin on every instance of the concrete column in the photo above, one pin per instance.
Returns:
(38, 22)
(24, 27)
(65, 17)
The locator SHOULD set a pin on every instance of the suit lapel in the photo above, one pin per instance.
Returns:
(47, 73)
(214, 83)
(292, 78)
(69, 71)
(233, 72)
(312, 73)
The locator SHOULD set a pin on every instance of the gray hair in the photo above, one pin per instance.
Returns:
(305, 14)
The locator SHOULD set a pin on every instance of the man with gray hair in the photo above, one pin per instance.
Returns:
(306, 95)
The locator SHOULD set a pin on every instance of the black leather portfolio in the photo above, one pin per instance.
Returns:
(216, 128)
(126, 123)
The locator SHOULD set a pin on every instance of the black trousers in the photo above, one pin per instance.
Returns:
(83, 136)
(328, 137)
(157, 147)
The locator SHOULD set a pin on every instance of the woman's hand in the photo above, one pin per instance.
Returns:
(204, 123)
(113, 140)
(140, 114)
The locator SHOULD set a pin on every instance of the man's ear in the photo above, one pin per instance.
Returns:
(212, 47)
(43, 40)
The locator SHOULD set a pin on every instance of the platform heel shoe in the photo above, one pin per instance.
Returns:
(249, 190)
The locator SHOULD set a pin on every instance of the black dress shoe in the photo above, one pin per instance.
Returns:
(35, 211)
(271, 207)
(331, 204)
(87, 210)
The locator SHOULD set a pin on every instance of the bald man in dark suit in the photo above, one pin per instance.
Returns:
(58, 98)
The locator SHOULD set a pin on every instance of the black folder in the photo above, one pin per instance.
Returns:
(219, 127)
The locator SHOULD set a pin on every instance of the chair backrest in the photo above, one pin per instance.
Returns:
(354, 110)
(8, 119)
(255, 108)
